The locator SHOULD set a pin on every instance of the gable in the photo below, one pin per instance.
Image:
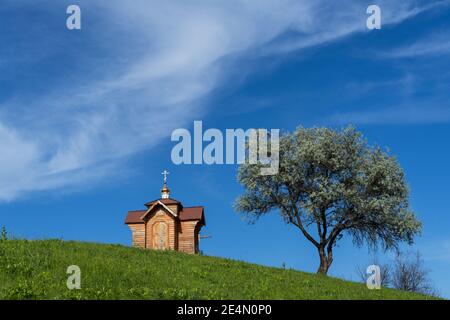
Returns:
(158, 207)
(159, 214)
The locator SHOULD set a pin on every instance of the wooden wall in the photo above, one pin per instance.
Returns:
(182, 235)
(187, 236)
(138, 235)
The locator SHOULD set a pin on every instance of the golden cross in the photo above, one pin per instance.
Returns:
(165, 173)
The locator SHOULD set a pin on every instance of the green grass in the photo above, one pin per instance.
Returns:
(37, 270)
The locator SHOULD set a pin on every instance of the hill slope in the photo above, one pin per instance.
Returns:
(37, 270)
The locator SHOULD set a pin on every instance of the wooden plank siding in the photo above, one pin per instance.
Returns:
(138, 235)
(174, 207)
(187, 236)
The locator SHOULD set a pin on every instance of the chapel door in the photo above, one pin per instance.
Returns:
(160, 236)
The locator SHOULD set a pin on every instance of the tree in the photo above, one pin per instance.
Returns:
(332, 183)
(410, 274)
(407, 272)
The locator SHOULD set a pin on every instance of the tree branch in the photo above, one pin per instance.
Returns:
(298, 223)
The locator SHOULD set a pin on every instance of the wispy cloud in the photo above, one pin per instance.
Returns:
(438, 250)
(405, 85)
(430, 46)
(405, 115)
(341, 19)
(144, 70)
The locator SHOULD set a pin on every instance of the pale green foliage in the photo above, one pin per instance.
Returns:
(333, 182)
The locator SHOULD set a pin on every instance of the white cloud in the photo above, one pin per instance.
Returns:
(158, 60)
(437, 250)
(395, 115)
(431, 46)
(17, 158)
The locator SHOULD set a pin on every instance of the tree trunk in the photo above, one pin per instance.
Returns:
(325, 262)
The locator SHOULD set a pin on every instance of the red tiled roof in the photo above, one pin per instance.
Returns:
(192, 213)
(186, 214)
(134, 216)
(165, 201)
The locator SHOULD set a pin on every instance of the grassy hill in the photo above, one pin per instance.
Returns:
(37, 270)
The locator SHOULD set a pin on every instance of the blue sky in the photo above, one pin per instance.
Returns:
(86, 116)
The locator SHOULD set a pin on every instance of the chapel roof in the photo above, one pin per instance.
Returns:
(164, 201)
(186, 214)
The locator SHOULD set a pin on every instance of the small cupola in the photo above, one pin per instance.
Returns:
(165, 192)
